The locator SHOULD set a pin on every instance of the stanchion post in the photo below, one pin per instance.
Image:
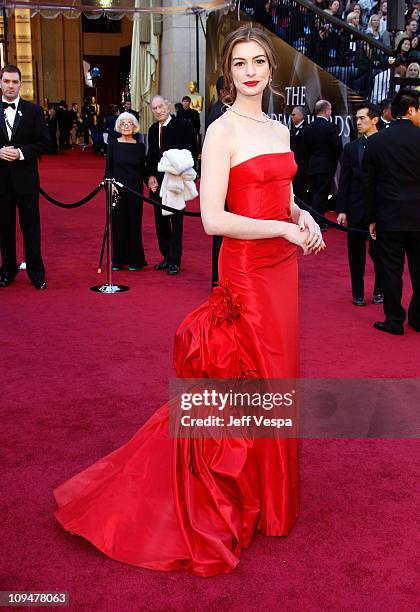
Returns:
(109, 287)
(108, 192)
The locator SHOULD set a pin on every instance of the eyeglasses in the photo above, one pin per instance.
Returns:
(127, 124)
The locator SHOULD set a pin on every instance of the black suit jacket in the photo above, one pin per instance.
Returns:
(30, 135)
(193, 117)
(391, 177)
(322, 145)
(350, 187)
(178, 134)
(381, 125)
(215, 112)
(297, 142)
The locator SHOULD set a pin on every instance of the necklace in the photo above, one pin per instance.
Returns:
(265, 120)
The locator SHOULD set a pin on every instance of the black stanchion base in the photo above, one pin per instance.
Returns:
(109, 288)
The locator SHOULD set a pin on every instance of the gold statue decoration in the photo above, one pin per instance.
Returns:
(196, 98)
(96, 108)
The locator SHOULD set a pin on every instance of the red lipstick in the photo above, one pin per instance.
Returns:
(251, 83)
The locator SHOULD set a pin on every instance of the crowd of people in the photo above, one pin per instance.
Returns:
(192, 502)
(368, 167)
(341, 52)
(367, 16)
(69, 127)
(316, 144)
(170, 499)
(128, 163)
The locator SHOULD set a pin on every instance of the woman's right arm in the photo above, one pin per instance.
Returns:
(215, 168)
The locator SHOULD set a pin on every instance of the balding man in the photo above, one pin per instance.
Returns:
(167, 133)
(322, 146)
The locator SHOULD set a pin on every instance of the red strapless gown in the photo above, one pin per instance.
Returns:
(167, 504)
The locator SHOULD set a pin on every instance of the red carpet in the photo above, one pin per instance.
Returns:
(82, 371)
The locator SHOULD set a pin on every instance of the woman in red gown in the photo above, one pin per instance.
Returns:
(168, 503)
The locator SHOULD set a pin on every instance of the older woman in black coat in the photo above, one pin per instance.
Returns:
(126, 163)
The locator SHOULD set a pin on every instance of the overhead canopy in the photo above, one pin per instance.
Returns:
(114, 9)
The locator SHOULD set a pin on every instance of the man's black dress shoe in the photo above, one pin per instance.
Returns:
(40, 284)
(5, 281)
(378, 298)
(382, 326)
(359, 301)
(162, 265)
(173, 269)
(415, 327)
(137, 268)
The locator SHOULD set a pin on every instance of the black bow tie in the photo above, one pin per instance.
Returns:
(7, 104)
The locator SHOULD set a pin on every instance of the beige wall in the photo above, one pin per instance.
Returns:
(178, 56)
(23, 55)
(56, 48)
(108, 44)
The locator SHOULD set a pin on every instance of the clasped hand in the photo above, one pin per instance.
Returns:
(307, 234)
(9, 154)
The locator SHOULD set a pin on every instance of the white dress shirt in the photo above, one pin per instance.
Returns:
(9, 117)
(160, 129)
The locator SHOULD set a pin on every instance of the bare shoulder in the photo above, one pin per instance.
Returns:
(220, 134)
(221, 127)
(281, 130)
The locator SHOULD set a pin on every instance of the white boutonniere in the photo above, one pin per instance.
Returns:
(19, 113)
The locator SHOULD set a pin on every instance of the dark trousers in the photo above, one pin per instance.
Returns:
(53, 141)
(64, 137)
(169, 231)
(320, 186)
(356, 249)
(215, 250)
(391, 249)
(86, 133)
(299, 182)
(127, 243)
(28, 207)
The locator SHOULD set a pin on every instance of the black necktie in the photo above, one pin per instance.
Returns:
(7, 104)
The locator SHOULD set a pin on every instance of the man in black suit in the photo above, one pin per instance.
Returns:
(391, 180)
(215, 112)
(167, 133)
(296, 144)
(322, 146)
(23, 137)
(385, 119)
(109, 123)
(218, 107)
(351, 206)
(127, 109)
(190, 114)
(64, 120)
